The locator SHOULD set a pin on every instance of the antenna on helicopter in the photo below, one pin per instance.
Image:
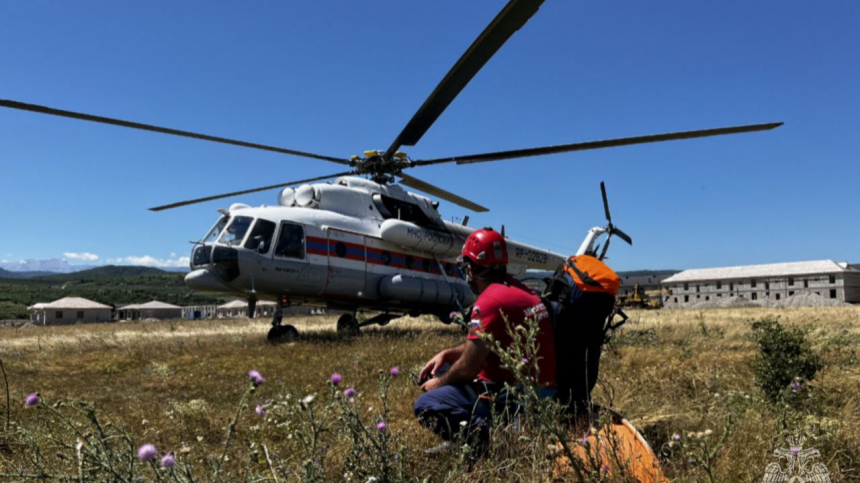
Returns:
(610, 228)
(465, 220)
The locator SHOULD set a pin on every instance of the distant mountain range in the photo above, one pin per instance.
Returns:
(54, 265)
(41, 268)
(9, 274)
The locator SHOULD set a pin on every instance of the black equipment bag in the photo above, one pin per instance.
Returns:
(580, 324)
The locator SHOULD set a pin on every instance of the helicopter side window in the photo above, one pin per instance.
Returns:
(291, 242)
(216, 230)
(260, 238)
(235, 233)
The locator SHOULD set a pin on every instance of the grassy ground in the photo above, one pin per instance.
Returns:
(177, 384)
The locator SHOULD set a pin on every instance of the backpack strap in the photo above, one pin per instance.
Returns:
(586, 279)
(610, 327)
(555, 290)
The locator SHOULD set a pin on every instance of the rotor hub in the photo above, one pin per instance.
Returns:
(380, 169)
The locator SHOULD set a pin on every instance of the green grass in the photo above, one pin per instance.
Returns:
(177, 384)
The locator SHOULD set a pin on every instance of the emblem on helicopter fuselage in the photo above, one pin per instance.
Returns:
(800, 469)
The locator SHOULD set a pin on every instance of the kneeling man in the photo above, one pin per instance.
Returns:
(460, 397)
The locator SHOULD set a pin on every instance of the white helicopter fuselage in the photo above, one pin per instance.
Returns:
(353, 244)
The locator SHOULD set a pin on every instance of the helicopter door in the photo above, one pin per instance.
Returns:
(347, 264)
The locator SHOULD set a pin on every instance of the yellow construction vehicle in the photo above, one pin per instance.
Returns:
(641, 299)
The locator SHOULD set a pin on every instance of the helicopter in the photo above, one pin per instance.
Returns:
(363, 242)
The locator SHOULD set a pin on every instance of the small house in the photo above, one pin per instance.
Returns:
(69, 310)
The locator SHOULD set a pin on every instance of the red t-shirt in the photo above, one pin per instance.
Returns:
(516, 301)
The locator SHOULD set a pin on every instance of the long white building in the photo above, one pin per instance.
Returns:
(771, 282)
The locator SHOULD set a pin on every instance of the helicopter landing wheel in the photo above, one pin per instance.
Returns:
(347, 324)
(282, 334)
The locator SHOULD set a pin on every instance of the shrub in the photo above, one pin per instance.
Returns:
(784, 357)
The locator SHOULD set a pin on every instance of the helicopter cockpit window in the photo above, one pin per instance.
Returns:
(216, 230)
(291, 242)
(235, 233)
(260, 239)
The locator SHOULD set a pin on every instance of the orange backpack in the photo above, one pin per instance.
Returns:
(592, 275)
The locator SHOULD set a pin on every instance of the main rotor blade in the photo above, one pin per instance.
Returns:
(609, 143)
(164, 130)
(439, 192)
(515, 14)
(244, 192)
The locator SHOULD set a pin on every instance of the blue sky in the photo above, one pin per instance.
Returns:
(337, 78)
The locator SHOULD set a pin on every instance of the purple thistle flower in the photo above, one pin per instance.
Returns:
(585, 441)
(525, 361)
(395, 371)
(256, 377)
(794, 451)
(147, 452)
(796, 385)
(606, 468)
(381, 426)
(168, 461)
(349, 393)
(676, 437)
(32, 400)
(336, 378)
(260, 410)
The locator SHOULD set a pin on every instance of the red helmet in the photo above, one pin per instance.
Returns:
(486, 247)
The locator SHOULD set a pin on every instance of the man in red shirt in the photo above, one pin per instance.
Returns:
(452, 400)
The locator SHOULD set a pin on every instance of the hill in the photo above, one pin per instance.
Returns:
(10, 274)
(107, 285)
(108, 271)
(661, 274)
(535, 278)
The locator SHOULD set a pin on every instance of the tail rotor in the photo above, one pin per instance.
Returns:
(610, 228)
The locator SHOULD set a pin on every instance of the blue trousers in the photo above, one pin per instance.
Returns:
(444, 410)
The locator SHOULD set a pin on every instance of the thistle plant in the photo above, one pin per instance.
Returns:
(373, 451)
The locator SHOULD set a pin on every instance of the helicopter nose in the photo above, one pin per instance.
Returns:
(205, 281)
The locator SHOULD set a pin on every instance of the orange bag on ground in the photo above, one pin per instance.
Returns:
(610, 450)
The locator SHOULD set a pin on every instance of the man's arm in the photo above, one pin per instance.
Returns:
(467, 367)
(450, 356)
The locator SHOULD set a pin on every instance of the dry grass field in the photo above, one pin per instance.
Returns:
(177, 385)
